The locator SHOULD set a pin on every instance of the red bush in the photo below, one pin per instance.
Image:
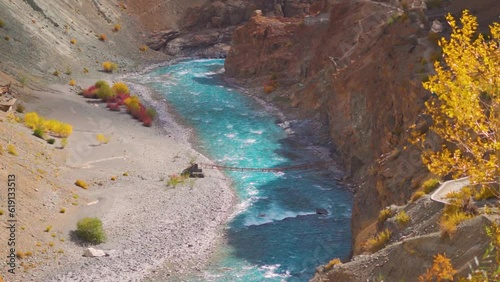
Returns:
(90, 92)
(147, 121)
(113, 106)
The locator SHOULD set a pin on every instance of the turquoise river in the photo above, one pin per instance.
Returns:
(275, 235)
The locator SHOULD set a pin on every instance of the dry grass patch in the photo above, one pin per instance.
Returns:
(384, 215)
(402, 218)
(378, 242)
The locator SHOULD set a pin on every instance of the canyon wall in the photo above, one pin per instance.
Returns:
(360, 64)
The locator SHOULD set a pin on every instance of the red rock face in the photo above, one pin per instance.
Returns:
(360, 68)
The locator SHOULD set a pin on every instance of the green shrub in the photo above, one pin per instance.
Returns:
(384, 214)
(64, 142)
(89, 229)
(2, 24)
(39, 133)
(51, 141)
(100, 83)
(175, 180)
(402, 218)
(20, 108)
(430, 185)
(105, 92)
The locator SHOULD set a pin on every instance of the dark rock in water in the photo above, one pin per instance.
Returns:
(321, 211)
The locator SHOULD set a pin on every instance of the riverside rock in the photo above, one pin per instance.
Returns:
(91, 252)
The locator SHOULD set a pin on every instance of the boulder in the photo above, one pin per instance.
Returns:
(91, 252)
(437, 26)
(321, 211)
(159, 39)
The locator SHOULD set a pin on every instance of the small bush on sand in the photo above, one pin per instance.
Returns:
(430, 185)
(143, 48)
(56, 73)
(101, 83)
(2, 24)
(20, 255)
(109, 66)
(117, 28)
(378, 242)
(72, 82)
(102, 139)
(175, 179)
(7, 38)
(384, 214)
(62, 210)
(51, 141)
(64, 142)
(120, 87)
(48, 228)
(39, 133)
(12, 149)
(89, 229)
(31, 120)
(105, 93)
(82, 184)
(20, 108)
(73, 41)
(402, 218)
(417, 195)
(449, 222)
(103, 37)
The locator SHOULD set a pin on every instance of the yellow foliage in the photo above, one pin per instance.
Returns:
(378, 242)
(485, 193)
(117, 28)
(109, 66)
(430, 185)
(417, 195)
(31, 120)
(82, 184)
(441, 270)
(102, 139)
(72, 82)
(465, 109)
(332, 263)
(73, 41)
(143, 48)
(384, 214)
(12, 149)
(402, 218)
(120, 87)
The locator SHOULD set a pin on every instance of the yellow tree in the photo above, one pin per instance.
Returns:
(465, 106)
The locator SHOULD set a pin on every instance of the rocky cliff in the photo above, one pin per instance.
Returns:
(360, 64)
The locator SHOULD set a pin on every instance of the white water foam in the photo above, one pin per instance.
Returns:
(270, 272)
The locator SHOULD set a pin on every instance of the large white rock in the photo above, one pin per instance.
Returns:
(437, 26)
(91, 252)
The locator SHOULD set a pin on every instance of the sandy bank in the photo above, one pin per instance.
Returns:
(148, 225)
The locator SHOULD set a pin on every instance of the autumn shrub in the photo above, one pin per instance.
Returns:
(430, 185)
(417, 195)
(485, 193)
(64, 142)
(90, 229)
(7, 38)
(143, 48)
(72, 82)
(402, 218)
(31, 119)
(384, 214)
(11, 149)
(332, 263)
(377, 242)
(103, 37)
(2, 24)
(82, 184)
(120, 88)
(100, 83)
(117, 28)
(73, 41)
(441, 270)
(102, 139)
(56, 73)
(105, 93)
(90, 92)
(113, 106)
(109, 66)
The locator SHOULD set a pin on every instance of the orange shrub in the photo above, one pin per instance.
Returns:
(117, 28)
(73, 41)
(72, 82)
(143, 48)
(103, 37)
(441, 270)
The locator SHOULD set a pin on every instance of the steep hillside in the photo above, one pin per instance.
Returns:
(41, 37)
